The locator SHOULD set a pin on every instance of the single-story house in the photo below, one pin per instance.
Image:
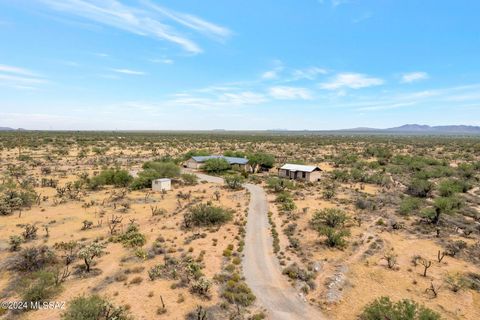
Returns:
(163, 184)
(197, 162)
(300, 172)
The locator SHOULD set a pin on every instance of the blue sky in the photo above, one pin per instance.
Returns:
(204, 64)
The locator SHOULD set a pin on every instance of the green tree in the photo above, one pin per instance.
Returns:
(216, 165)
(234, 181)
(154, 170)
(383, 308)
(443, 205)
(261, 160)
(189, 179)
(420, 188)
(164, 169)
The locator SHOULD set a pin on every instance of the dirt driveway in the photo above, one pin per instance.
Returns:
(260, 265)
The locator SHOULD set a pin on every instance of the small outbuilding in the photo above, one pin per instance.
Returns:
(163, 184)
(198, 161)
(300, 172)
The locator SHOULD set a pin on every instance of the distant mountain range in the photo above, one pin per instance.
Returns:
(423, 129)
(418, 129)
(10, 129)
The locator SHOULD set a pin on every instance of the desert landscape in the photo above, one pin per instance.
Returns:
(392, 218)
(239, 160)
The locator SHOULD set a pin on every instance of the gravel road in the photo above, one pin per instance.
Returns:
(261, 267)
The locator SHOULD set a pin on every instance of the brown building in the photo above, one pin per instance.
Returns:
(300, 172)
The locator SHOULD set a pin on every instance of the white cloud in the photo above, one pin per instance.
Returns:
(414, 76)
(352, 81)
(129, 72)
(141, 20)
(274, 72)
(308, 73)
(19, 78)
(336, 3)
(163, 60)
(16, 70)
(217, 101)
(387, 106)
(268, 75)
(290, 93)
(193, 22)
(363, 17)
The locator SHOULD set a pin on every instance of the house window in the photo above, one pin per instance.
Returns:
(304, 175)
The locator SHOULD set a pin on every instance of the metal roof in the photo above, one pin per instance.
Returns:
(230, 160)
(163, 179)
(299, 167)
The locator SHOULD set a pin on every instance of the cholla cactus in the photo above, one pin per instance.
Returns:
(90, 252)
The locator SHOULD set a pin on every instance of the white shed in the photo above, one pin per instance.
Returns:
(163, 184)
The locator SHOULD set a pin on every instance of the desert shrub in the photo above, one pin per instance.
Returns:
(330, 223)
(409, 205)
(189, 179)
(204, 215)
(449, 187)
(29, 232)
(294, 272)
(193, 153)
(234, 181)
(473, 281)
(466, 170)
(382, 153)
(285, 200)
(383, 308)
(132, 237)
(330, 217)
(34, 258)
(456, 281)
(340, 175)
(39, 286)
(419, 188)
(357, 175)
(144, 179)
(237, 291)
(113, 177)
(216, 165)
(279, 184)
(201, 287)
(69, 250)
(12, 200)
(365, 204)
(15, 242)
(173, 268)
(233, 153)
(94, 308)
(455, 247)
(335, 238)
(329, 193)
(154, 170)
